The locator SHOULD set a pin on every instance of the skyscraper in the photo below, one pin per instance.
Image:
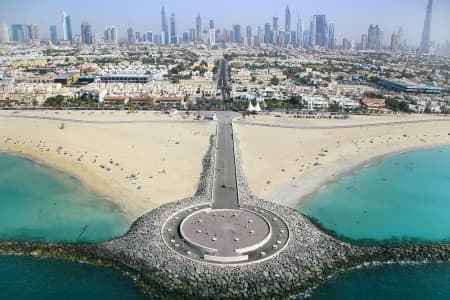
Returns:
(275, 31)
(4, 33)
(287, 27)
(374, 38)
(299, 33)
(248, 40)
(86, 34)
(331, 39)
(164, 27)
(321, 31)
(18, 33)
(53, 34)
(364, 43)
(31, 32)
(267, 34)
(67, 27)
(425, 42)
(111, 34)
(198, 29)
(130, 36)
(237, 33)
(173, 30)
(394, 42)
(212, 33)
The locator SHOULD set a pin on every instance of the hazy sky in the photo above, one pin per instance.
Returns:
(351, 17)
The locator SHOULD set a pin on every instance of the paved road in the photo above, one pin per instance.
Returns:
(225, 192)
(339, 126)
(62, 119)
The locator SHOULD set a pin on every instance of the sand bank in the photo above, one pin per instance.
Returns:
(138, 161)
(285, 165)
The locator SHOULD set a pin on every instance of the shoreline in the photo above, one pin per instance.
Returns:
(330, 176)
(84, 183)
(136, 162)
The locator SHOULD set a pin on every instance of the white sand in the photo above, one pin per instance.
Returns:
(285, 165)
(165, 153)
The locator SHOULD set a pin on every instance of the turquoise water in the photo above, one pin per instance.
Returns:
(42, 204)
(430, 282)
(403, 198)
(32, 278)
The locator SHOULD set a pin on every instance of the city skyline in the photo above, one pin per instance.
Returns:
(410, 17)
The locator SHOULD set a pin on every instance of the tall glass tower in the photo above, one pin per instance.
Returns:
(287, 28)
(164, 27)
(173, 31)
(425, 42)
(67, 27)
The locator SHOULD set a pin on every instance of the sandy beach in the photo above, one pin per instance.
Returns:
(139, 161)
(285, 165)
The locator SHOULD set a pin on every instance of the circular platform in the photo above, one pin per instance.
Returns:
(225, 236)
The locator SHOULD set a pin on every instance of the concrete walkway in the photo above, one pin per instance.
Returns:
(225, 191)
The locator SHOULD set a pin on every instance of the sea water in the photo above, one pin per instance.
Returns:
(405, 198)
(42, 204)
(394, 282)
(35, 278)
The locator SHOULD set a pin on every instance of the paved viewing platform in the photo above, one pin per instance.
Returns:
(224, 231)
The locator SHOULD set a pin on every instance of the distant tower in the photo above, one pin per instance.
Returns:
(111, 34)
(249, 36)
(212, 33)
(198, 29)
(4, 33)
(86, 34)
(394, 42)
(425, 43)
(67, 27)
(300, 33)
(130, 36)
(173, 31)
(164, 27)
(237, 34)
(331, 39)
(53, 34)
(287, 28)
(276, 31)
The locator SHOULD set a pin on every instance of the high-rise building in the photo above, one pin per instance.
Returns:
(173, 30)
(111, 34)
(394, 42)
(237, 34)
(425, 41)
(331, 39)
(260, 37)
(86, 34)
(18, 33)
(130, 36)
(4, 33)
(299, 33)
(248, 40)
(364, 42)
(267, 34)
(374, 37)
(346, 44)
(67, 27)
(31, 32)
(312, 33)
(192, 35)
(275, 31)
(321, 31)
(138, 36)
(212, 33)
(53, 34)
(287, 27)
(164, 27)
(149, 36)
(198, 29)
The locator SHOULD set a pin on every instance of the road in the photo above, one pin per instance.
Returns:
(225, 192)
(341, 126)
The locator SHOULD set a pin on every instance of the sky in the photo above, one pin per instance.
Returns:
(351, 17)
